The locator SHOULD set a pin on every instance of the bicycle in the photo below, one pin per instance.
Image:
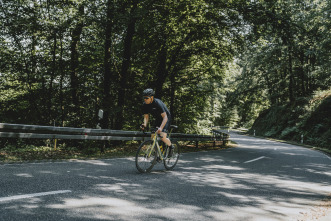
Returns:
(150, 152)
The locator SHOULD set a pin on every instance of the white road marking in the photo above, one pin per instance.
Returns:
(327, 156)
(18, 197)
(255, 159)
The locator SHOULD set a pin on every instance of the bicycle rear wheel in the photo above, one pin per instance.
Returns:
(170, 162)
(146, 157)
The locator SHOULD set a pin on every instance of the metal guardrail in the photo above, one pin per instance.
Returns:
(225, 137)
(49, 132)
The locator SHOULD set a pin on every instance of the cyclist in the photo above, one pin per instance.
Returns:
(160, 113)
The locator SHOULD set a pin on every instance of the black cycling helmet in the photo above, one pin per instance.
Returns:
(148, 92)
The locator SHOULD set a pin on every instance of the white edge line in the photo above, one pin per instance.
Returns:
(327, 156)
(255, 159)
(3, 199)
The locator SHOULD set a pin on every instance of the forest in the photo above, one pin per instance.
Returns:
(213, 62)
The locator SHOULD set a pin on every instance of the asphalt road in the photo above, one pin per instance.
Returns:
(258, 180)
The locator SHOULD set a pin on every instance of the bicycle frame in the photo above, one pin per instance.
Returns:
(151, 152)
(157, 145)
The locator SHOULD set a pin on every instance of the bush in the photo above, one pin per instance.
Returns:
(310, 117)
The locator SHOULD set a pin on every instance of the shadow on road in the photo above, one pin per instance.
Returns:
(215, 185)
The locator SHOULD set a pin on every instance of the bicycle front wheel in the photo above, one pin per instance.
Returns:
(171, 161)
(146, 157)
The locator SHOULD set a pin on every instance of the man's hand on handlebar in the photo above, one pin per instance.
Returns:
(142, 127)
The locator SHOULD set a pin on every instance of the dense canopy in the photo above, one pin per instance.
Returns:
(213, 62)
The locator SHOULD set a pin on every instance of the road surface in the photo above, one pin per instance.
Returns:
(257, 180)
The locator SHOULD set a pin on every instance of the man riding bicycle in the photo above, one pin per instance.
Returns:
(160, 113)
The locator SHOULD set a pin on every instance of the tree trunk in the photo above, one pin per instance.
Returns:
(106, 102)
(74, 64)
(165, 68)
(172, 95)
(125, 69)
(50, 90)
(161, 71)
(302, 73)
(61, 67)
(270, 89)
(291, 83)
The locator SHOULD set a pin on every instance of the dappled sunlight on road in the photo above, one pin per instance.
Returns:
(95, 162)
(100, 208)
(269, 182)
(24, 175)
(318, 169)
(216, 194)
(116, 188)
(210, 159)
(222, 167)
(118, 209)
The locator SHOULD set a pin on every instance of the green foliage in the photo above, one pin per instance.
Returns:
(213, 62)
(311, 119)
(284, 62)
(55, 68)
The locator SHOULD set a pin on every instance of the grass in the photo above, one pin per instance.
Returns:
(32, 153)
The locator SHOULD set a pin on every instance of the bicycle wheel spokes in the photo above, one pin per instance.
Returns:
(145, 157)
(170, 162)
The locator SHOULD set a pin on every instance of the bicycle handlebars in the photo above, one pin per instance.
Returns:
(142, 128)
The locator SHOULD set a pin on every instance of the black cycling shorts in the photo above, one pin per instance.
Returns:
(165, 129)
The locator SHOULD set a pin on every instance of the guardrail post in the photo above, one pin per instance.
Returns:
(225, 139)
(214, 138)
(55, 140)
(103, 146)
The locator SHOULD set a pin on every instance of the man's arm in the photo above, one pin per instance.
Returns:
(146, 119)
(164, 121)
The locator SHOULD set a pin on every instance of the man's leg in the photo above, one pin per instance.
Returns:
(168, 143)
(165, 139)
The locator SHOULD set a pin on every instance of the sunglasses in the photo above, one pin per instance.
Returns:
(146, 98)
